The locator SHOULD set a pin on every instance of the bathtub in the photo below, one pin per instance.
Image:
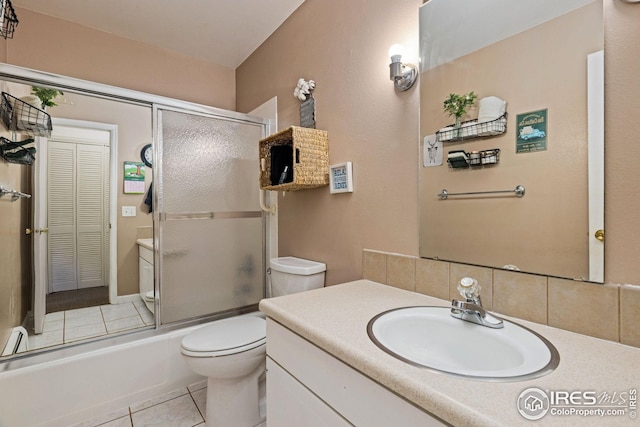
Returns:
(69, 385)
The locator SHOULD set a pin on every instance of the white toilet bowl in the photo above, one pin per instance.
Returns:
(231, 354)
(149, 300)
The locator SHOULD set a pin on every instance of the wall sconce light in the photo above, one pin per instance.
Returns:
(403, 75)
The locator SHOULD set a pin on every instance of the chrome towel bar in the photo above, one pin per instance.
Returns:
(518, 191)
(15, 195)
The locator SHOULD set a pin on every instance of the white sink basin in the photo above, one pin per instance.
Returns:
(431, 338)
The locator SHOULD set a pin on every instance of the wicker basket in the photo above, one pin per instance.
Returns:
(307, 164)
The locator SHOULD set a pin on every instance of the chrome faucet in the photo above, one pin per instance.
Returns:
(470, 309)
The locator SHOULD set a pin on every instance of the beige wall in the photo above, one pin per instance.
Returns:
(544, 232)
(622, 109)
(49, 44)
(343, 46)
(15, 279)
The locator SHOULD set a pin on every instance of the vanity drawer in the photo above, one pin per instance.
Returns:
(146, 254)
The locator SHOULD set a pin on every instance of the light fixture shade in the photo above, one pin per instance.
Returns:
(395, 70)
(403, 75)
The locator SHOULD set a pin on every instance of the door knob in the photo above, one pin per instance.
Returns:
(599, 235)
(37, 230)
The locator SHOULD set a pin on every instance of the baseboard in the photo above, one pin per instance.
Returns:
(128, 298)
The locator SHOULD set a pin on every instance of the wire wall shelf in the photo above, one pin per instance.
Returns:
(473, 129)
(8, 20)
(19, 116)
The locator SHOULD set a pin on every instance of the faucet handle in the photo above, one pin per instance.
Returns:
(469, 288)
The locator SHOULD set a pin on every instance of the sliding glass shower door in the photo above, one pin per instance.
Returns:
(211, 230)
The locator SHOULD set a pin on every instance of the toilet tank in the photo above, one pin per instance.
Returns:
(290, 275)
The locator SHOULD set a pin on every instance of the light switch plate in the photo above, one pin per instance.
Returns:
(128, 211)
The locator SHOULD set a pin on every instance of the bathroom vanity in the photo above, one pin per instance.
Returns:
(324, 370)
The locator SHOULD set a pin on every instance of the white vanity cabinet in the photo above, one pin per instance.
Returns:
(145, 267)
(307, 386)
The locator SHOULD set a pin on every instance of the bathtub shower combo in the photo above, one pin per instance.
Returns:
(210, 246)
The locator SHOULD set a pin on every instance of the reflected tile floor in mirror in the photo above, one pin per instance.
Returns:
(183, 407)
(68, 326)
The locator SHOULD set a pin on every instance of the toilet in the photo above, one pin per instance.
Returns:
(231, 352)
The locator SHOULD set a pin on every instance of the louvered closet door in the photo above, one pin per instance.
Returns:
(77, 212)
(62, 217)
(90, 215)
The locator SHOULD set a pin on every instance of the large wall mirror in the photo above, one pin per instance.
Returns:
(70, 255)
(545, 59)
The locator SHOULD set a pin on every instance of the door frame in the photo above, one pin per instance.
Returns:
(40, 217)
(595, 114)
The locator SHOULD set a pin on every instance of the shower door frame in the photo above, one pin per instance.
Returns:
(158, 213)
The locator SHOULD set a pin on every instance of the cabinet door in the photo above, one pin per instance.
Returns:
(296, 405)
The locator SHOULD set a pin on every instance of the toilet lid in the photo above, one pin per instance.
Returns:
(228, 335)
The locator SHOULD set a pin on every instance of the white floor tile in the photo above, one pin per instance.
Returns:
(58, 315)
(200, 397)
(46, 339)
(53, 325)
(197, 386)
(84, 331)
(118, 311)
(124, 324)
(178, 412)
(73, 319)
(82, 312)
(159, 399)
(148, 318)
(120, 422)
(107, 419)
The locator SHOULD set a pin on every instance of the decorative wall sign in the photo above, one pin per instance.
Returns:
(304, 92)
(133, 178)
(308, 113)
(432, 151)
(531, 131)
(341, 178)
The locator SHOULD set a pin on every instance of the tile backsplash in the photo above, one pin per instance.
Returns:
(610, 312)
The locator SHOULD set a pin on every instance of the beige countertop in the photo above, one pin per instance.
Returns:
(146, 243)
(335, 319)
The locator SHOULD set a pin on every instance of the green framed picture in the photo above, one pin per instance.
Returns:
(133, 178)
(531, 131)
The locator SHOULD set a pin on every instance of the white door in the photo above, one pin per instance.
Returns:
(78, 207)
(62, 182)
(61, 204)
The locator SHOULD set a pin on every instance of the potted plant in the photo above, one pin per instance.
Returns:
(46, 96)
(456, 105)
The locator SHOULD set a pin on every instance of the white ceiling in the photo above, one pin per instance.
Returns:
(225, 32)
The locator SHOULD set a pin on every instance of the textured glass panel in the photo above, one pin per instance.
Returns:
(208, 164)
(210, 266)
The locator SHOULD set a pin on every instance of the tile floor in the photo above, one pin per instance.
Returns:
(185, 407)
(73, 325)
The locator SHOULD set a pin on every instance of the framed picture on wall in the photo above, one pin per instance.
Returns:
(341, 178)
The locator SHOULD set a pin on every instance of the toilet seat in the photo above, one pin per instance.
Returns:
(149, 296)
(224, 337)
